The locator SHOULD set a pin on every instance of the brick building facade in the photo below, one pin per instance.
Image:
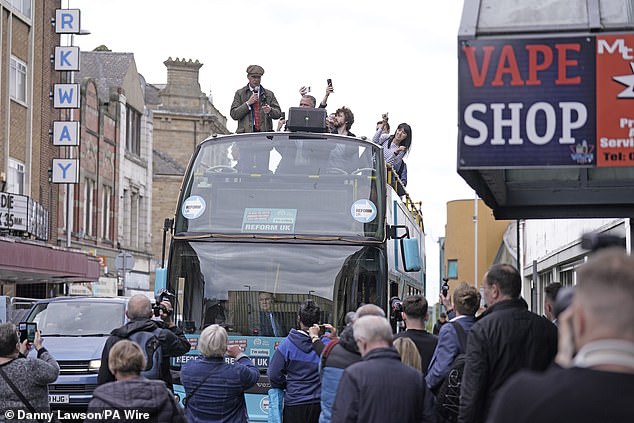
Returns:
(183, 117)
(31, 263)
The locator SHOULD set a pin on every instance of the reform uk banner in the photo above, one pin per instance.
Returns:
(538, 102)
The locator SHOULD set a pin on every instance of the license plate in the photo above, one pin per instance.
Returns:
(58, 399)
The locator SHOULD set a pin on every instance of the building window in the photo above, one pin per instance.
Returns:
(89, 208)
(106, 212)
(17, 80)
(452, 269)
(15, 178)
(22, 6)
(134, 219)
(133, 131)
(132, 210)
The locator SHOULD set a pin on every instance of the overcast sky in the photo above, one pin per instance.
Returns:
(396, 56)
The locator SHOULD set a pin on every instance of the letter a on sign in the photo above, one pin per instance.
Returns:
(65, 133)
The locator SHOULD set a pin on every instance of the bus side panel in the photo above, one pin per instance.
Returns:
(260, 350)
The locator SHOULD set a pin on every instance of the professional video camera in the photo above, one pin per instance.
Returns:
(396, 316)
(594, 241)
(163, 295)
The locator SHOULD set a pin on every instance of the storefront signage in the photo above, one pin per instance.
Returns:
(19, 213)
(527, 102)
(565, 102)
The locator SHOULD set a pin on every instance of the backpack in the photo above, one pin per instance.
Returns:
(448, 396)
(151, 347)
(326, 352)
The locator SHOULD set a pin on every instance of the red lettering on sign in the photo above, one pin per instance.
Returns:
(507, 56)
(563, 63)
(478, 76)
(540, 58)
(534, 66)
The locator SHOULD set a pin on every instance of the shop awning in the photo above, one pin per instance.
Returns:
(24, 261)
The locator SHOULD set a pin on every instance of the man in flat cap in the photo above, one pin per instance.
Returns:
(254, 108)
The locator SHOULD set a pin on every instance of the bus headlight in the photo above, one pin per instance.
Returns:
(94, 365)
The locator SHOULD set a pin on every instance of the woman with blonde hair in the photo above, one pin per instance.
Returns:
(214, 389)
(409, 353)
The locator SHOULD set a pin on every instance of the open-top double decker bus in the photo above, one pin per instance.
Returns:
(267, 220)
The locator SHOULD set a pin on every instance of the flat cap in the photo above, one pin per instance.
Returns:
(255, 70)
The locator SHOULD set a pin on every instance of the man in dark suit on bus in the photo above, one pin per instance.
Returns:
(270, 321)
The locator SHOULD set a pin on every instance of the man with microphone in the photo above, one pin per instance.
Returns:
(254, 108)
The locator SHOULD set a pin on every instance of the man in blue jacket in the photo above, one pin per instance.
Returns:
(466, 301)
(294, 367)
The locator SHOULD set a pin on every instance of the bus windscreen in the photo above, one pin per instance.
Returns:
(284, 186)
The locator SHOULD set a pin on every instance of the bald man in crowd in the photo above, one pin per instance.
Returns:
(171, 338)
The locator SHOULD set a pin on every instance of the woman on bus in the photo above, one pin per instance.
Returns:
(396, 146)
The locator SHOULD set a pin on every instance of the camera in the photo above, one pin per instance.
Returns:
(396, 304)
(397, 309)
(27, 331)
(595, 241)
(445, 288)
(163, 295)
(396, 316)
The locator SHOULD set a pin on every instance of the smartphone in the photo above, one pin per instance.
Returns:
(329, 82)
(283, 115)
(322, 329)
(445, 289)
(27, 331)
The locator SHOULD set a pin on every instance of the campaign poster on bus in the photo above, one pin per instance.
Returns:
(615, 100)
(526, 102)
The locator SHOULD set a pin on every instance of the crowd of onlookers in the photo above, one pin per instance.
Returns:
(507, 363)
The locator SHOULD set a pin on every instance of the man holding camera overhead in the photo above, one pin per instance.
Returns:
(172, 341)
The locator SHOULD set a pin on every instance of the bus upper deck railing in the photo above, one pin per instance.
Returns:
(414, 208)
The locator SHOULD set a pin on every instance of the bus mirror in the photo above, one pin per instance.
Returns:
(392, 232)
(411, 255)
(160, 280)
